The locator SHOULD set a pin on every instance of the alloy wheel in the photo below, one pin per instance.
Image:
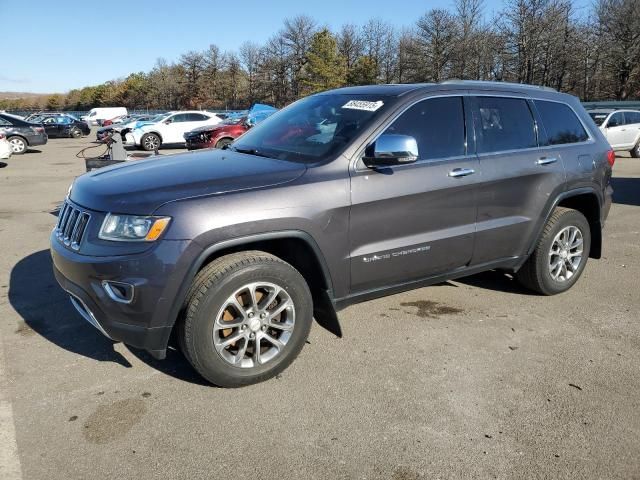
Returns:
(17, 145)
(566, 253)
(254, 324)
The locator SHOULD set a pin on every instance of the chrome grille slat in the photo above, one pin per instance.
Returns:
(71, 225)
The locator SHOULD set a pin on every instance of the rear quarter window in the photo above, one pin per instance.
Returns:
(561, 123)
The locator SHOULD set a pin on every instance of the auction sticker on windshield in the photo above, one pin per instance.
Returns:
(363, 105)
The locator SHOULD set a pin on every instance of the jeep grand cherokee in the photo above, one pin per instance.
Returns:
(343, 196)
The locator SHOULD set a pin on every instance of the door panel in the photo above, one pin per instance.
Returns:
(518, 178)
(413, 221)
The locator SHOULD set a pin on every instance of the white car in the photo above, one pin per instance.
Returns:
(169, 129)
(5, 147)
(621, 127)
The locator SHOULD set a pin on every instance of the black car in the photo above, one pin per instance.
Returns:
(64, 126)
(22, 134)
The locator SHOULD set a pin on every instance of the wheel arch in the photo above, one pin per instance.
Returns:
(586, 201)
(155, 133)
(296, 247)
(26, 140)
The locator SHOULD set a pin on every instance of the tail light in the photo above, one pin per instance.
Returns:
(611, 157)
(38, 129)
(2, 136)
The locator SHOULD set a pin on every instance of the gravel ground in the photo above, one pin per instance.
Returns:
(474, 378)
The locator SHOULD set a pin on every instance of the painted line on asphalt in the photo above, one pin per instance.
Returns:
(9, 461)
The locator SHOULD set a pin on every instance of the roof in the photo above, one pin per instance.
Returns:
(397, 90)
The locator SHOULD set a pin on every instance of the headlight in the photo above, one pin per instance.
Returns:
(132, 228)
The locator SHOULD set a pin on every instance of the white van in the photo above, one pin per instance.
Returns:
(103, 113)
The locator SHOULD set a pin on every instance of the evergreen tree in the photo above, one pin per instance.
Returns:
(325, 66)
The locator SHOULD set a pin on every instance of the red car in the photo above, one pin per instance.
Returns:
(215, 136)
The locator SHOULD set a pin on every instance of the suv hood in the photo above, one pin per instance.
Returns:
(141, 186)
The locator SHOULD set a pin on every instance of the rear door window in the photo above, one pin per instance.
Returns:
(437, 124)
(560, 123)
(503, 124)
(631, 118)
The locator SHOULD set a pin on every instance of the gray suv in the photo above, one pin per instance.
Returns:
(341, 197)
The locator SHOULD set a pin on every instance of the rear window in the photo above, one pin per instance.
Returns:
(560, 123)
(503, 124)
(598, 117)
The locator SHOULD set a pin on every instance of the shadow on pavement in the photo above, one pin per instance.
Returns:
(496, 280)
(46, 309)
(626, 190)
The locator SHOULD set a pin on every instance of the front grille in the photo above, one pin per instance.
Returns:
(72, 223)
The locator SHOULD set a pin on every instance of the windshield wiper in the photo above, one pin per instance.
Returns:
(250, 151)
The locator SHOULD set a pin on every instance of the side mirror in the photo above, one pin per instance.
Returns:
(391, 149)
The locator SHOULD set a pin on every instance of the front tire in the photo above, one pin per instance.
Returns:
(75, 133)
(224, 142)
(247, 318)
(560, 255)
(18, 145)
(150, 142)
(635, 151)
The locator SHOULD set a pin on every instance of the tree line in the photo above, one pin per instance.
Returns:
(592, 53)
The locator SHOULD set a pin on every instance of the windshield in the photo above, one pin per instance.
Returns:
(599, 117)
(312, 128)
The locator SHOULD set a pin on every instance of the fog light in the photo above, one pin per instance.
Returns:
(118, 291)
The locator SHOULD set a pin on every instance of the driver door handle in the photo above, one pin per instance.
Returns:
(546, 160)
(461, 172)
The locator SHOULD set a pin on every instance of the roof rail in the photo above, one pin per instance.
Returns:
(494, 83)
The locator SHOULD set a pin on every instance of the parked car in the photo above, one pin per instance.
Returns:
(169, 129)
(5, 147)
(342, 196)
(124, 128)
(21, 134)
(64, 126)
(620, 127)
(223, 134)
(97, 115)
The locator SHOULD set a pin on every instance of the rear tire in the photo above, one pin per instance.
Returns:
(150, 142)
(75, 133)
(560, 255)
(18, 145)
(247, 317)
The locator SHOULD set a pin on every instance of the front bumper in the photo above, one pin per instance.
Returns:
(156, 277)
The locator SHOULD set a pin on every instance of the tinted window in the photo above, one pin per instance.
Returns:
(631, 117)
(560, 123)
(197, 117)
(437, 124)
(503, 124)
(181, 117)
(616, 120)
(5, 123)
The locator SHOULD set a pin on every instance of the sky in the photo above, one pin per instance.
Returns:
(56, 47)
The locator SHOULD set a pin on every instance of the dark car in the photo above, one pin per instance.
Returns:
(64, 126)
(22, 134)
(341, 197)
